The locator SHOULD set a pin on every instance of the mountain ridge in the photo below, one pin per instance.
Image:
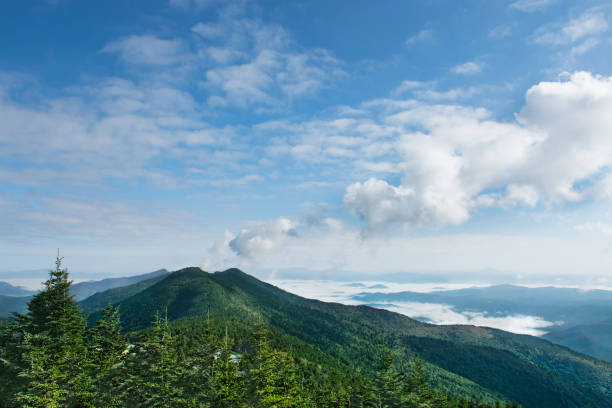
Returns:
(350, 332)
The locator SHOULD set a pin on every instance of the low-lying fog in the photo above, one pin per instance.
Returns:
(343, 292)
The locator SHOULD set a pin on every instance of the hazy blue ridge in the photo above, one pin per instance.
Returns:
(7, 289)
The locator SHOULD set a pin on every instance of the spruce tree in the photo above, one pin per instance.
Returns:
(387, 384)
(105, 349)
(227, 384)
(275, 377)
(154, 374)
(54, 358)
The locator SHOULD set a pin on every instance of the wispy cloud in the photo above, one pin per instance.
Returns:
(530, 6)
(186, 4)
(257, 64)
(468, 68)
(149, 50)
(424, 35)
(500, 31)
(588, 24)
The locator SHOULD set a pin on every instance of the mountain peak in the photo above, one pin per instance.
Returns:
(231, 271)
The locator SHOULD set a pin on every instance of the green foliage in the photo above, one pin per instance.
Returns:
(229, 340)
(51, 351)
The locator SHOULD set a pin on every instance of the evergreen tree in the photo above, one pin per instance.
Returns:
(417, 392)
(105, 349)
(387, 384)
(155, 372)
(227, 383)
(275, 377)
(54, 359)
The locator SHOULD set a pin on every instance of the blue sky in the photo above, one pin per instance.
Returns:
(416, 136)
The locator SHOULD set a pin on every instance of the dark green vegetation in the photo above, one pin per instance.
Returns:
(49, 359)
(584, 315)
(98, 301)
(13, 301)
(83, 290)
(594, 339)
(298, 352)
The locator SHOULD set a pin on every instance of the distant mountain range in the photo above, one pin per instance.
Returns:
(15, 299)
(582, 317)
(83, 290)
(466, 360)
(6, 289)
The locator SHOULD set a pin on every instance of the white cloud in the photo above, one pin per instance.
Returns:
(530, 6)
(186, 4)
(585, 46)
(422, 36)
(588, 24)
(462, 160)
(255, 242)
(380, 204)
(445, 314)
(258, 64)
(148, 50)
(468, 68)
(330, 246)
(66, 217)
(500, 31)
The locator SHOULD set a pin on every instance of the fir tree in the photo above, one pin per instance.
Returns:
(105, 349)
(227, 383)
(275, 377)
(53, 353)
(155, 372)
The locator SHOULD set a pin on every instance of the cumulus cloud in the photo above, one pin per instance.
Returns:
(461, 160)
(256, 241)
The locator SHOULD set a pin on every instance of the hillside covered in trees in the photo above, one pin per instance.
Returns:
(195, 339)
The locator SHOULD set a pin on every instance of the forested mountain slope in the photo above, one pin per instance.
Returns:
(524, 368)
(581, 317)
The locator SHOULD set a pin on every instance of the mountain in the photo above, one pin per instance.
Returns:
(7, 289)
(568, 305)
(99, 300)
(12, 304)
(463, 359)
(594, 339)
(580, 316)
(83, 290)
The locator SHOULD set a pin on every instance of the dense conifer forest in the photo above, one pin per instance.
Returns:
(50, 358)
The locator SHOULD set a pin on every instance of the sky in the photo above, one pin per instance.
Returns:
(455, 140)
